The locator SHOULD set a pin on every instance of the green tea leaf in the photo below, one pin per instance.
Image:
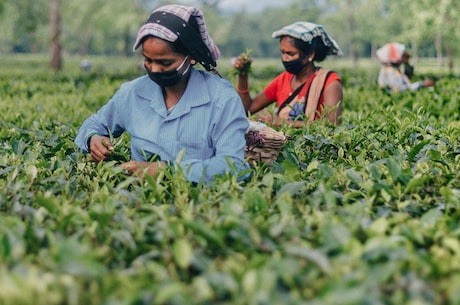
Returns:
(182, 253)
(416, 149)
(394, 168)
(311, 255)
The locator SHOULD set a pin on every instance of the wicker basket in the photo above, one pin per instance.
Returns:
(263, 143)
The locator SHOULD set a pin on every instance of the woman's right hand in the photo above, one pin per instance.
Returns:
(243, 62)
(428, 82)
(100, 147)
(240, 63)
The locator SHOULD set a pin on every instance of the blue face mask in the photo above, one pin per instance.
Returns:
(294, 66)
(169, 78)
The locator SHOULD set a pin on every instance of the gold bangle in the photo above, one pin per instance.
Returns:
(242, 91)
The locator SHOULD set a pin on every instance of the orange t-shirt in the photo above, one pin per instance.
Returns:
(279, 89)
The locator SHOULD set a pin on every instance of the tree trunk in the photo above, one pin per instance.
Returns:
(439, 48)
(414, 52)
(373, 50)
(55, 33)
(450, 59)
(84, 46)
(127, 42)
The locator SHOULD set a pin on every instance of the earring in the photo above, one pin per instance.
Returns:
(310, 59)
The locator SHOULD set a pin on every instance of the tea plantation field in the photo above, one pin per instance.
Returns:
(364, 213)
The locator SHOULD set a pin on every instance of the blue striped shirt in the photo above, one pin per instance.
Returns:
(208, 124)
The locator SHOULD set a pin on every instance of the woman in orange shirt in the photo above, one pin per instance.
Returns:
(304, 92)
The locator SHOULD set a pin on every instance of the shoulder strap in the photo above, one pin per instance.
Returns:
(315, 91)
(290, 97)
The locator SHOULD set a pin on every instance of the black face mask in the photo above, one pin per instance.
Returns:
(294, 66)
(169, 78)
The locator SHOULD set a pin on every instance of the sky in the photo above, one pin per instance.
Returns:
(252, 6)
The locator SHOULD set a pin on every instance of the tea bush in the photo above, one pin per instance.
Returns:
(363, 213)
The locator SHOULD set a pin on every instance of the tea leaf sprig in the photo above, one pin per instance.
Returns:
(246, 57)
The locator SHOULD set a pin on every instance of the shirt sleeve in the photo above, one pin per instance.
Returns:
(332, 77)
(105, 122)
(272, 88)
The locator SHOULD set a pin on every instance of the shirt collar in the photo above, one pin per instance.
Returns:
(196, 94)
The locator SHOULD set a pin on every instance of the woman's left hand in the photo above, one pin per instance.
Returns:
(139, 168)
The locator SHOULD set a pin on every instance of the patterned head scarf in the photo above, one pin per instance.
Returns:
(390, 53)
(186, 24)
(306, 31)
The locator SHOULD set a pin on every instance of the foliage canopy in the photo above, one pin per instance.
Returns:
(359, 26)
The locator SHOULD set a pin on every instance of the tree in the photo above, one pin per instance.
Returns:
(273, 19)
(98, 26)
(2, 6)
(438, 20)
(357, 25)
(253, 31)
(55, 33)
(31, 14)
(429, 27)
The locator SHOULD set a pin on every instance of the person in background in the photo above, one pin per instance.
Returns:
(304, 92)
(391, 79)
(174, 107)
(408, 68)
